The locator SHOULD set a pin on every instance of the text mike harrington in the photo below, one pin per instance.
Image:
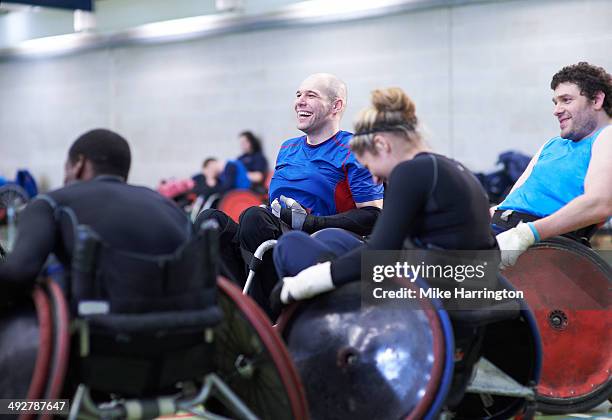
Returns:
(458, 273)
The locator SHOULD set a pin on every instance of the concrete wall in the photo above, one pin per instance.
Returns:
(479, 75)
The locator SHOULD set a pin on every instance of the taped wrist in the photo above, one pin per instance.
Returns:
(535, 232)
(293, 218)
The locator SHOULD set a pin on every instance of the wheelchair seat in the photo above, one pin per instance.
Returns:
(153, 351)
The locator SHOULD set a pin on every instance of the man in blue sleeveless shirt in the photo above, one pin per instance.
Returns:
(567, 185)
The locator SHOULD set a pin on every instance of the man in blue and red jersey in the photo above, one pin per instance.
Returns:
(317, 171)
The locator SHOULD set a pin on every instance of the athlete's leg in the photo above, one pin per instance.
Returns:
(296, 251)
(258, 225)
(233, 265)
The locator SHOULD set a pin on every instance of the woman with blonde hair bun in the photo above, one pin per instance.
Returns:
(431, 201)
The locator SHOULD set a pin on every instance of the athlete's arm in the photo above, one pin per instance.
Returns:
(359, 220)
(258, 169)
(373, 203)
(524, 176)
(592, 207)
(255, 177)
(368, 202)
(364, 191)
(407, 192)
(34, 243)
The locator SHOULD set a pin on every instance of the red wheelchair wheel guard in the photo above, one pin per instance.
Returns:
(245, 336)
(45, 348)
(26, 345)
(235, 202)
(61, 342)
(568, 287)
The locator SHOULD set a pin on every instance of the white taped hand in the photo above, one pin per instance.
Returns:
(276, 208)
(513, 243)
(307, 283)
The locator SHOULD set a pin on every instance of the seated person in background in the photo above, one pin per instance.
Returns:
(431, 201)
(252, 158)
(318, 171)
(567, 186)
(205, 183)
(178, 190)
(220, 176)
(127, 217)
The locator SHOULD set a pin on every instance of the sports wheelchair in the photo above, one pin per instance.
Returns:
(568, 287)
(416, 360)
(116, 348)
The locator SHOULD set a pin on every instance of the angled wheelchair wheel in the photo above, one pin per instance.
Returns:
(512, 346)
(568, 287)
(61, 341)
(26, 348)
(235, 202)
(383, 361)
(253, 361)
(12, 195)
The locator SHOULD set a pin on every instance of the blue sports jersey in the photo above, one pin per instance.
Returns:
(556, 178)
(326, 178)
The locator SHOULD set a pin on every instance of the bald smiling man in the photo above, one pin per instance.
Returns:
(317, 183)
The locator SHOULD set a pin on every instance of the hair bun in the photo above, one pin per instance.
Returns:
(394, 100)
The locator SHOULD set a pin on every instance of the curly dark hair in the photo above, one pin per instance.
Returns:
(590, 79)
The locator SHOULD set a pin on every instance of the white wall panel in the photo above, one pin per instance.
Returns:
(479, 75)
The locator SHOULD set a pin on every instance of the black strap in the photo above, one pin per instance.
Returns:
(508, 219)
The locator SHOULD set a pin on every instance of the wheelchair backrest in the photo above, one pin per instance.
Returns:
(108, 280)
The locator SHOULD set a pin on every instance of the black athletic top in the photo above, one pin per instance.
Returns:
(430, 200)
(254, 162)
(202, 188)
(127, 217)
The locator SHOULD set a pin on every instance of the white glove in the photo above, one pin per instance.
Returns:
(307, 283)
(275, 206)
(514, 242)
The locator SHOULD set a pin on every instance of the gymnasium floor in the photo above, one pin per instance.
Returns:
(604, 411)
